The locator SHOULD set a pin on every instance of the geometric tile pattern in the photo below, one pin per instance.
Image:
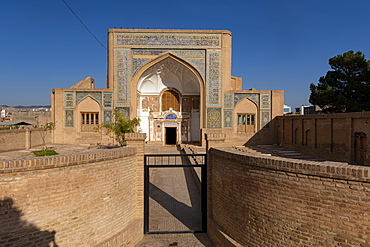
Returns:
(125, 111)
(252, 96)
(95, 95)
(133, 50)
(149, 40)
(214, 118)
(214, 78)
(69, 99)
(265, 118)
(107, 100)
(228, 118)
(122, 76)
(107, 116)
(194, 57)
(265, 101)
(69, 118)
(228, 100)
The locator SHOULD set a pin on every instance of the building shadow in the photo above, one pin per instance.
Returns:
(15, 232)
(190, 216)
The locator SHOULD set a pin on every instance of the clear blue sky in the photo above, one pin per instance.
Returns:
(282, 45)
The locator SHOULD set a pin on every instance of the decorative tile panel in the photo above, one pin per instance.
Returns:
(252, 96)
(161, 40)
(228, 118)
(265, 119)
(69, 118)
(214, 78)
(228, 100)
(107, 100)
(171, 116)
(107, 114)
(69, 98)
(194, 57)
(122, 77)
(125, 111)
(145, 103)
(265, 101)
(95, 95)
(214, 118)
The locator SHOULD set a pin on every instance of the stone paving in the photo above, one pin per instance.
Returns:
(174, 205)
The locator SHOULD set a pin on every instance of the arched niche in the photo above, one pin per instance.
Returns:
(88, 115)
(168, 73)
(246, 115)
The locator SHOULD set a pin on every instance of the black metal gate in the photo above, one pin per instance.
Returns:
(175, 193)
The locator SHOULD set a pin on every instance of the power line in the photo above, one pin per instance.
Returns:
(84, 24)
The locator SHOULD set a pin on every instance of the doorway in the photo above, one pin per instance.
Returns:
(171, 135)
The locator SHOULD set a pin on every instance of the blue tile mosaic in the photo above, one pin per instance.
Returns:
(214, 118)
(69, 98)
(69, 118)
(168, 40)
(214, 78)
(252, 96)
(122, 76)
(81, 95)
(228, 118)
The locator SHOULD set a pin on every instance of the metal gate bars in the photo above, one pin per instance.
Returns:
(175, 193)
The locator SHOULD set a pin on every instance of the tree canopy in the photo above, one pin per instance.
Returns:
(347, 87)
(120, 126)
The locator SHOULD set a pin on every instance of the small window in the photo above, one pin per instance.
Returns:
(246, 123)
(89, 121)
(170, 99)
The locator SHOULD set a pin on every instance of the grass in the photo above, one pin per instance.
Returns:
(44, 153)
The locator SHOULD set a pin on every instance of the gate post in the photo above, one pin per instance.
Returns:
(137, 140)
(214, 140)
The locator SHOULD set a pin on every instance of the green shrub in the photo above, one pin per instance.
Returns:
(44, 153)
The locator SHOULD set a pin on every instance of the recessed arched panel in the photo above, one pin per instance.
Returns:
(169, 73)
(89, 114)
(246, 116)
(169, 83)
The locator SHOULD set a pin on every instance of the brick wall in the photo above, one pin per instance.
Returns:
(74, 200)
(327, 135)
(19, 139)
(271, 201)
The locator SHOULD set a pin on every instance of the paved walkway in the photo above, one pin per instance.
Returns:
(174, 205)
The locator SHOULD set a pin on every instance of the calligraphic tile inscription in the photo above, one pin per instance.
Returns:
(69, 99)
(149, 40)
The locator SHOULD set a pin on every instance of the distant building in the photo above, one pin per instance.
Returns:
(3, 113)
(287, 109)
(307, 110)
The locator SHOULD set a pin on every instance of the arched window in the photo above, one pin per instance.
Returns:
(170, 99)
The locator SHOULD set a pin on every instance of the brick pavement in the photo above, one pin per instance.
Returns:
(174, 205)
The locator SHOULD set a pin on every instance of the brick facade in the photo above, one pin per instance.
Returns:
(269, 201)
(74, 200)
(18, 139)
(331, 136)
